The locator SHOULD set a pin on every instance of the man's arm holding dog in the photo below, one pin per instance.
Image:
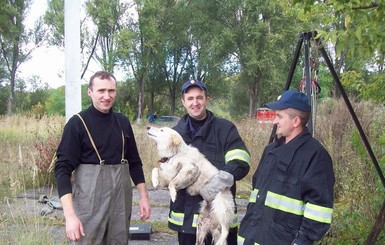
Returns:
(224, 179)
(188, 173)
(219, 182)
(236, 167)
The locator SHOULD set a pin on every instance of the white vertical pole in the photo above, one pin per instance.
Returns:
(72, 57)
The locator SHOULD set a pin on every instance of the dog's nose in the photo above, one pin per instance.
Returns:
(148, 127)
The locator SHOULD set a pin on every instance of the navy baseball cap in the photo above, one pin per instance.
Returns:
(191, 83)
(291, 99)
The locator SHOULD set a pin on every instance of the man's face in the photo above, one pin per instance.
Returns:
(195, 101)
(286, 124)
(102, 94)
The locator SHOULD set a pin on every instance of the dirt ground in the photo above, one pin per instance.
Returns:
(28, 203)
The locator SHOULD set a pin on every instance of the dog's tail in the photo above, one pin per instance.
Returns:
(222, 207)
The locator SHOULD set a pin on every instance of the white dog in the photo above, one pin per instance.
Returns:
(183, 166)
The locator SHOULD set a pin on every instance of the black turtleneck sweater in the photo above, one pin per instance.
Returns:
(75, 147)
(194, 125)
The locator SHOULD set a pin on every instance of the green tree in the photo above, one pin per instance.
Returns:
(133, 48)
(107, 16)
(363, 22)
(354, 31)
(3, 97)
(17, 43)
(155, 47)
(55, 103)
(54, 18)
(29, 93)
(255, 38)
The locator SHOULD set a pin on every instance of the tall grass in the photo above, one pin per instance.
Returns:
(22, 167)
(358, 191)
(27, 145)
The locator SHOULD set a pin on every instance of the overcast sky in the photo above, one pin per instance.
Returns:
(46, 62)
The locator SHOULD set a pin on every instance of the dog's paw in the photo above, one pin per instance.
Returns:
(172, 191)
(155, 177)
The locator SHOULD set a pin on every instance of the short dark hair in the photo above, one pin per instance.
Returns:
(303, 115)
(102, 75)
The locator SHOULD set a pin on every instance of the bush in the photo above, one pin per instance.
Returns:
(357, 192)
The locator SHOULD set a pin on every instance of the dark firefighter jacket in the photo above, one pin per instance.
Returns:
(219, 140)
(292, 196)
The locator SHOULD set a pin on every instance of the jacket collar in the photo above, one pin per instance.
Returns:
(286, 152)
(183, 126)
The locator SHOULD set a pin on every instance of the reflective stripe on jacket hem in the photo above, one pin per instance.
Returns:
(298, 207)
(283, 203)
(176, 218)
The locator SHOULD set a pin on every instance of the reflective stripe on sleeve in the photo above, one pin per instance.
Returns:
(241, 240)
(237, 154)
(284, 203)
(253, 195)
(318, 213)
(235, 221)
(195, 220)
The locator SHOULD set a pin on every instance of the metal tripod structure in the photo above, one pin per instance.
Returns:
(305, 38)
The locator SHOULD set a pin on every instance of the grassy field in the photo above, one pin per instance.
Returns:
(27, 145)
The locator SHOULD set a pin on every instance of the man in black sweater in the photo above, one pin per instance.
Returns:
(98, 153)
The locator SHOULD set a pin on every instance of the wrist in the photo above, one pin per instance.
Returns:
(69, 215)
(226, 178)
(299, 241)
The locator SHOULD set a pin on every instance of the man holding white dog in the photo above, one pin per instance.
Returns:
(292, 197)
(218, 139)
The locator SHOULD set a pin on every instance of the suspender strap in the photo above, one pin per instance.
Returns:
(123, 160)
(92, 141)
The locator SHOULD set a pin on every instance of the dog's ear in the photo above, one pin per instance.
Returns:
(176, 139)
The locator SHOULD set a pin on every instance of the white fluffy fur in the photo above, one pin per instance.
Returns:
(187, 168)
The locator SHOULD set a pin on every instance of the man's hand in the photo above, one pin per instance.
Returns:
(144, 203)
(301, 242)
(216, 184)
(74, 228)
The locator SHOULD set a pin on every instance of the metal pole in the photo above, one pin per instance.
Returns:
(352, 113)
(307, 75)
(72, 57)
(289, 78)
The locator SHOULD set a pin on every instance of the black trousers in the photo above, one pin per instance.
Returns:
(189, 239)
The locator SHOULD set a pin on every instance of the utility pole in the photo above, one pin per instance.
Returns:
(72, 57)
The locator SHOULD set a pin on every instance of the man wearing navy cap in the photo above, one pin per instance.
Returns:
(291, 201)
(218, 139)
